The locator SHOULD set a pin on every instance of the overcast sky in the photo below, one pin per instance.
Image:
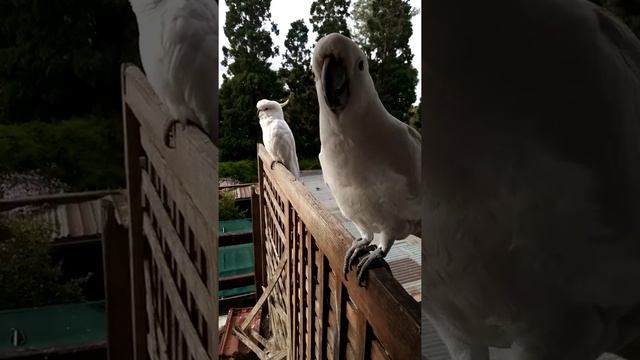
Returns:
(284, 12)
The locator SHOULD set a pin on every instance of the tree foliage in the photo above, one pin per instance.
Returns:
(302, 111)
(249, 77)
(228, 209)
(384, 29)
(85, 152)
(27, 276)
(329, 16)
(62, 58)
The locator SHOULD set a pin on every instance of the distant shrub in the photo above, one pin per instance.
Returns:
(245, 171)
(27, 276)
(228, 209)
(309, 164)
(84, 153)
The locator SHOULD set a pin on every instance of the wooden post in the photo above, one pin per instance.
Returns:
(134, 196)
(258, 244)
(115, 255)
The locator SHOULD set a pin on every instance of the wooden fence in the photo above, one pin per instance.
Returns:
(173, 221)
(315, 313)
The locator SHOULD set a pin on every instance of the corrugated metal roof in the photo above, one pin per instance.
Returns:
(239, 192)
(73, 220)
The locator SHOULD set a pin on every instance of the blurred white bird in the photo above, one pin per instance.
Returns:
(531, 179)
(179, 53)
(370, 160)
(277, 136)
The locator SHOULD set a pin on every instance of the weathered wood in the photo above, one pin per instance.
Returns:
(115, 259)
(249, 342)
(134, 196)
(177, 307)
(383, 292)
(357, 332)
(198, 172)
(310, 291)
(265, 295)
(258, 244)
(194, 283)
(55, 199)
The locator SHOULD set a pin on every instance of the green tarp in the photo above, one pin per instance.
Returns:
(53, 326)
(235, 226)
(236, 260)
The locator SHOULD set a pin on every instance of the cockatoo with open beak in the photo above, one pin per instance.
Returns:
(531, 179)
(370, 160)
(277, 136)
(179, 53)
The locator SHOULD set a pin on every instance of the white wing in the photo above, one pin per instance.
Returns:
(284, 147)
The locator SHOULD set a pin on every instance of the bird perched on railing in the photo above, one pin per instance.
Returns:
(277, 136)
(179, 54)
(370, 160)
(531, 179)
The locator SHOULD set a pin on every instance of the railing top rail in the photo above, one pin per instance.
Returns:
(393, 314)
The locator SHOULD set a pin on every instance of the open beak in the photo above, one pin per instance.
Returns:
(335, 83)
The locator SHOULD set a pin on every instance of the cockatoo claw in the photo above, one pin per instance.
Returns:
(274, 162)
(376, 257)
(169, 133)
(357, 248)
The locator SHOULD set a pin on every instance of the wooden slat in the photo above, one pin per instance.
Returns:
(357, 330)
(134, 196)
(383, 292)
(377, 352)
(258, 244)
(310, 291)
(196, 348)
(115, 259)
(265, 295)
(196, 219)
(338, 342)
(321, 316)
(198, 289)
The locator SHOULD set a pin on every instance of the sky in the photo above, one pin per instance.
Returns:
(284, 12)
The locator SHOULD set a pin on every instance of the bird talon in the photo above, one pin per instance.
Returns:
(358, 247)
(169, 133)
(367, 262)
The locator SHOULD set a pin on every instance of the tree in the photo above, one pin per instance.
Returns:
(27, 276)
(329, 16)
(385, 29)
(62, 58)
(249, 77)
(302, 111)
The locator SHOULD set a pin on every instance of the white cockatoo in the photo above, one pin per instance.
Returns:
(179, 53)
(531, 178)
(370, 160)
(277, 136)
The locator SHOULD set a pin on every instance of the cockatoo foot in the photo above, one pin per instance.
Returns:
(376, 257)
(358, 247)
(170, 133)
(274, 162)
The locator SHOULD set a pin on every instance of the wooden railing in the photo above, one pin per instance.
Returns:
(314, 311)
(173, 221)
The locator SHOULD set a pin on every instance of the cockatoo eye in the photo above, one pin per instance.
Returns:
(361, 65)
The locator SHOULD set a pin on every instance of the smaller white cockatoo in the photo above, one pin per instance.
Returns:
(370, 160)
(179, 53)
(277, 136)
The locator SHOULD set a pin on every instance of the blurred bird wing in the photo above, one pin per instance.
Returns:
(190, 43)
